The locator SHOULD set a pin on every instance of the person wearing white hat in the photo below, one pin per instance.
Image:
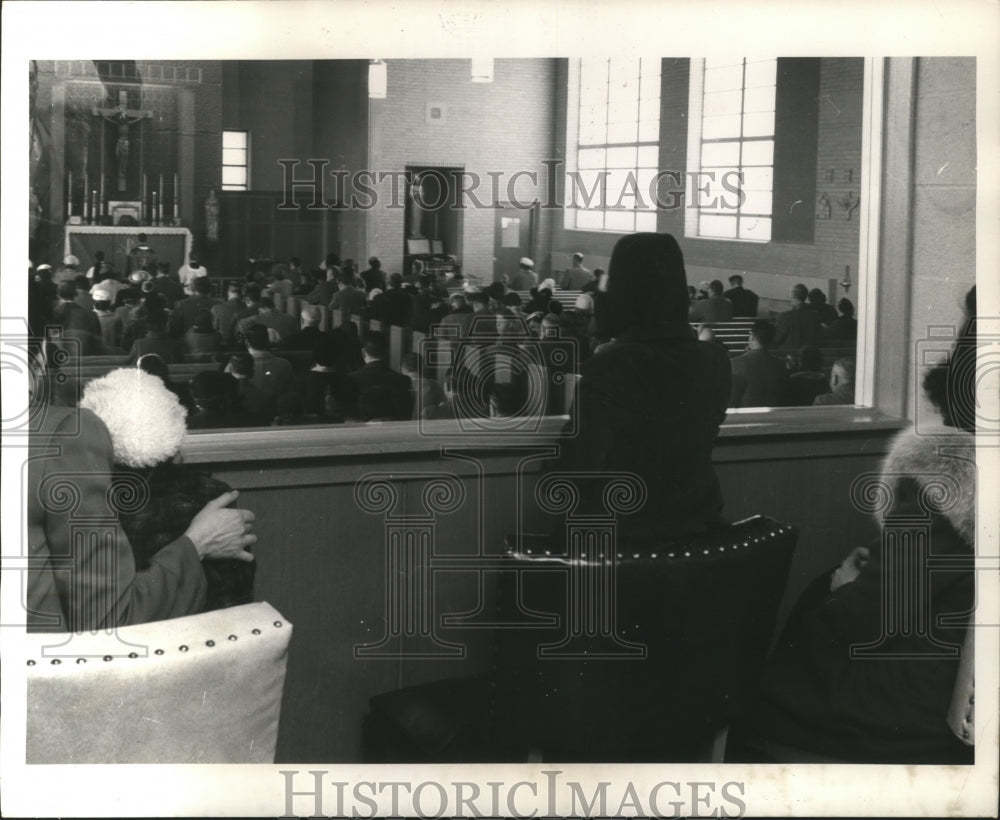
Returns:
(525, 278)
(111, 323)
(68, 272)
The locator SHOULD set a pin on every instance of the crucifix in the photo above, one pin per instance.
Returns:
(123, 117)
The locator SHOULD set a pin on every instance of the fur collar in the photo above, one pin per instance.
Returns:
(941, 451)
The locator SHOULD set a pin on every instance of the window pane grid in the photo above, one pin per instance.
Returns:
(618, 133)
(737, 135)
(235, 161)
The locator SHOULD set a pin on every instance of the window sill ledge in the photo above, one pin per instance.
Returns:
(762, 427)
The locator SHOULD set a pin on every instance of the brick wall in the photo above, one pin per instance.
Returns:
(505, 126)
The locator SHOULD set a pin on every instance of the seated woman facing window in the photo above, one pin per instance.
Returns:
(651, 403)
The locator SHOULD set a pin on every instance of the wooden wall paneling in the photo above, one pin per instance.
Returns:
(322, 559)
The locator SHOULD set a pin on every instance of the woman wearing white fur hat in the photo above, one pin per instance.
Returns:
(83, 575)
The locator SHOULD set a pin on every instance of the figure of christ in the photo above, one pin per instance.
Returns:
(123, 117)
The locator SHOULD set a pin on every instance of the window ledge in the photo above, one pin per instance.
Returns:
(361, 440)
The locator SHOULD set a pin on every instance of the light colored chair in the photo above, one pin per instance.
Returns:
(201, 689)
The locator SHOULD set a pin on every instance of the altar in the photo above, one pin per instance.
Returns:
(172, 245)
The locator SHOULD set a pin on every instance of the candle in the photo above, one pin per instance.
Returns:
(143, 197)
(102, 188)
(86, 204)
(177, 212)
(69, 195)
(93, 207)
(153, 215)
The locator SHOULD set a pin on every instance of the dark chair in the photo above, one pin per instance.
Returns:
(650, 656)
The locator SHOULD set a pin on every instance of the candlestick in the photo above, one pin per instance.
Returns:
(69, 195)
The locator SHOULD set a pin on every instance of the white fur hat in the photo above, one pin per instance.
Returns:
(145, 420)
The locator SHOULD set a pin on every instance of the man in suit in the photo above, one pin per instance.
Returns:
(841, 385)
(324, 291)
(374, 276)
(269, 316)
(716, 308)
(377, 374)
(744, 301)
(185, 311)
(167, 285)
(799, 326)
(226, 314)
(759, 378)
(577, 277)
(309, 335)
(348, 297)
(525, 278)
(272, 374)
(71, 316)
(460, 315)
(393, 307)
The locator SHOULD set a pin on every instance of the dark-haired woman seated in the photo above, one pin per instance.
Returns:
(651, 402)
(884, 605)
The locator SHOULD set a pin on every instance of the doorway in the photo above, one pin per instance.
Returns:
(513, 234)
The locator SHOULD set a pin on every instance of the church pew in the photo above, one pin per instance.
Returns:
(178, 371)
(301, 360)
(400, 343)
(111, 361)
(567, 298)
(362, 324)
(324, 317)
(339, 317)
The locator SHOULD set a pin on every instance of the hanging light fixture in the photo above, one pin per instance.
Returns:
(482, 69)
(378, 79)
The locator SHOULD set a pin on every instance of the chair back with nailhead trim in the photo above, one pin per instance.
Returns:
(201, 689)
(654, 651)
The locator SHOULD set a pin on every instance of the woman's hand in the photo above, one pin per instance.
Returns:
(850, 569)
(218, 532)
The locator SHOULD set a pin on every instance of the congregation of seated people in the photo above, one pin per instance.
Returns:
(282, 367)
